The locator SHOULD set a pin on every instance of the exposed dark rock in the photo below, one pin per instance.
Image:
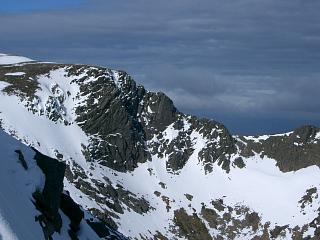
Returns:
(315, 223)
(115, 198)
(253, 220)
(216, 152)
(239, 162)
(265, 235)
(218, 204)
(278, 231)
(99, 228)
(190, 226)
(113, 118)
(157, 193)
(218, 148)
(189, 196)
(231, 221)
(164, 112)
(292, 152)
(73, 212)
(24, 86)
(167, 201)
(105, 232)
(211, 216)
(105, 218)
(163, 185)
(309, 197)
(21, 159)
(48, 200)
(159, 236)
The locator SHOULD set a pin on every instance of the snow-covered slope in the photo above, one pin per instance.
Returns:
(17, 211)
(20, 178)
(140, 166)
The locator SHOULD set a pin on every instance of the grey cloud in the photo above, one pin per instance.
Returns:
(216, 58)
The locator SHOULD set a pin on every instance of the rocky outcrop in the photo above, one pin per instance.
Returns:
(110, 112)
(293, 151)
(120, 118)
(48, 199)
(116, 198)
(190, 226)
(73, 212)
(51, 199)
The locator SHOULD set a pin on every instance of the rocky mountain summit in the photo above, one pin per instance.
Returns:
(140, 167)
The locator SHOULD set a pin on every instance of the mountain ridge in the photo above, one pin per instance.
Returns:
(113, 135)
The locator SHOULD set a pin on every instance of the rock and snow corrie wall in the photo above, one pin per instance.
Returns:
(194, 173)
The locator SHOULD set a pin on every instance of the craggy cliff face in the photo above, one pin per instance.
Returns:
(142, 167)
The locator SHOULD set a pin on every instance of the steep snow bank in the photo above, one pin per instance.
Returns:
(17, 212)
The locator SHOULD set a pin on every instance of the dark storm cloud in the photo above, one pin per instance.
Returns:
(240, 60)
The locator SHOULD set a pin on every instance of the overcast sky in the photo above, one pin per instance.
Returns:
(252, 64)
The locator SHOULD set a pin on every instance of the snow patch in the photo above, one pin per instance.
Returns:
(15, 74)
(8, 59)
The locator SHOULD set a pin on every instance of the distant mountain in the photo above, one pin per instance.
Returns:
(146, 170)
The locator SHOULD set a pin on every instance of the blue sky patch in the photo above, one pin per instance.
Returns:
(12, 6)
